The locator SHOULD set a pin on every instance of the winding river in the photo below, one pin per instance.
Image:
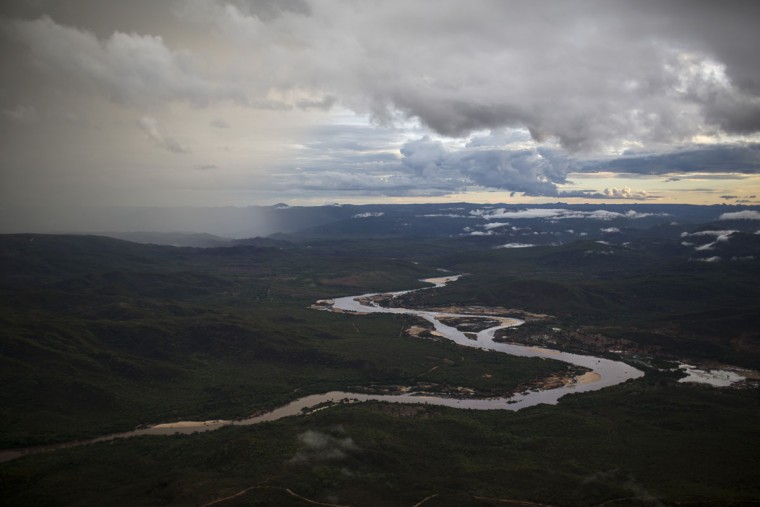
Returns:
(605, 373)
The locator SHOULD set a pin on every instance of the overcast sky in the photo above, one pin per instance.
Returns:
(215, 103)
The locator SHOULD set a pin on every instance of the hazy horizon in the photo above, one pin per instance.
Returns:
(237, 222)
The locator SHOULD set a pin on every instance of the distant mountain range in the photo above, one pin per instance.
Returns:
(703, 232)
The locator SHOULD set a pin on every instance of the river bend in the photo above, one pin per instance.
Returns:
(605, 373)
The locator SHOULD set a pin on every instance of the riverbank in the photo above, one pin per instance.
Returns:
(548, 390)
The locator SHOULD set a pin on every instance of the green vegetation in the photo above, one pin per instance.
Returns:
(152, 334)
(681, 309)
(635, 444)
(100, 335)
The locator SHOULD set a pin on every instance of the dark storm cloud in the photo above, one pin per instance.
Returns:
(426, 167)
(743, 158)
(130, 69)
(531, 91)
(530, 171)
(267, 10)
(587, 72)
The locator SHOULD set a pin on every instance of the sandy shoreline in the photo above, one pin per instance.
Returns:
(588, 378)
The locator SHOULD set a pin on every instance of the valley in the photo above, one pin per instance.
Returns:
(103, 336)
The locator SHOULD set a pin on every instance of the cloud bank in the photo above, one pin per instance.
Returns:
(454, 96)
(741, 215)
(629, 72)
(556, 214)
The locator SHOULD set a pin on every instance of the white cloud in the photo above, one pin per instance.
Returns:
(709, 233)
(516, 245)
(720, 237)
(626, 193)
(448, 215)
(610, 215)
(706, 246)
(557, 214)
(157, 133)
(526, 213)
(610, 230)
(495, 225)
(741, 215)
(369, 214)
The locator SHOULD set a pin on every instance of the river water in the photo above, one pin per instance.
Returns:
(605, 373)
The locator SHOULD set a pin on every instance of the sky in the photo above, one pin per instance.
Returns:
(254, 102)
